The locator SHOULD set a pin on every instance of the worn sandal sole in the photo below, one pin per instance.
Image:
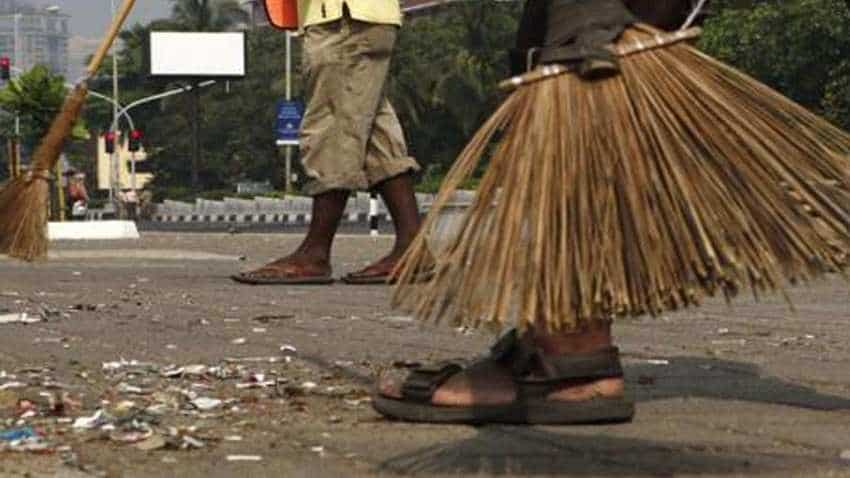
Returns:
(318, 280)
(547, 412)
(382, 280)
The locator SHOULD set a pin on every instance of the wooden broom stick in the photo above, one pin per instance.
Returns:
(23, 201)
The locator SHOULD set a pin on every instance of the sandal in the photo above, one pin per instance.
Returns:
(535, 377)
(365, 277)
(288, 274)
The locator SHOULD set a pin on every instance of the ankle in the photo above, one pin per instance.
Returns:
(316, 254)
(588, 338)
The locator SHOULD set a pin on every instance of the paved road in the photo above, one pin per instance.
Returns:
(753, 389)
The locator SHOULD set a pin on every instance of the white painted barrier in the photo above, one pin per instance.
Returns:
(92, 230)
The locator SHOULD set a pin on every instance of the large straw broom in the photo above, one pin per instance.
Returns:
(633, 195)
(23, 200)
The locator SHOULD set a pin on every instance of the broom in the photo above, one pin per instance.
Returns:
(23, 200)
(639, 194)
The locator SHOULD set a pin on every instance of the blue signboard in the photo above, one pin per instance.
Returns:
(288, 124)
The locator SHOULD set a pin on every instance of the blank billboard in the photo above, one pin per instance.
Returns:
(197, 54)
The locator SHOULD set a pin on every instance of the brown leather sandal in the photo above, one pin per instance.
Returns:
(290, 274)
(535, 376)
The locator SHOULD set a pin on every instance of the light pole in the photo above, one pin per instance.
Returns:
(125, 111)
(288, 148)
(113, 160)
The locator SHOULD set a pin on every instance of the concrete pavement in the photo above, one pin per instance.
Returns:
(752, 389)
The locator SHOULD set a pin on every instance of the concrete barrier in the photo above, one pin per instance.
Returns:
(92, 230)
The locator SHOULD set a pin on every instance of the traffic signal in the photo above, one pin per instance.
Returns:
(5, 68)
(135, 140)
(109, 140)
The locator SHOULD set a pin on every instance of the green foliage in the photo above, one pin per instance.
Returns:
(444, 76)
(36, 97)
(442, 81)
(798, 47)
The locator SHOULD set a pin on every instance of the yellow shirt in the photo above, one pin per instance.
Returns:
(312, 12)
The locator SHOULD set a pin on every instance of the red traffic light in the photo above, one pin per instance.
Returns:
(135, 143)
(5, 68)
(109, 140)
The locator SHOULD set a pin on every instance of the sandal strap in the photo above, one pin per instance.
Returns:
(423, 381)
(530, 365)
(597, 365)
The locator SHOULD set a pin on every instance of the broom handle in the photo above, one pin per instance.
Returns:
(106, 44)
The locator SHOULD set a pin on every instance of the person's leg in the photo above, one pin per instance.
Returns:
(332, 152)
(313, 257)
(390, 170)
(399, 195)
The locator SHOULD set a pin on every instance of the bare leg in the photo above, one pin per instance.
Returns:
(399, 195)
(312, 257)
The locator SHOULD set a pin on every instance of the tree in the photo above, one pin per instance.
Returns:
(35, 97)
(203, 16)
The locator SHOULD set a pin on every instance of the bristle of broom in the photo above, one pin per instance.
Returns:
(24, 201)
(635, 195)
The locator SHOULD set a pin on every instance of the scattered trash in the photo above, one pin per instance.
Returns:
(97, 420)
(729, 342)
(206, 404)
(723, 331)
(17, 434)
(267, 319)
(403, 319)
(21, 318)
(11, 385)
(239, 341)
(308, 385)
(845, 455)
(259, 330)
(244, 458)
(657, 362)
(154, 442)
(232, 438)
(288, 349)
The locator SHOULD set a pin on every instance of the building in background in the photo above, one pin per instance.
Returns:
(31, 36)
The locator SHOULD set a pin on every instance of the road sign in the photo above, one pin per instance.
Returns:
(288, 125)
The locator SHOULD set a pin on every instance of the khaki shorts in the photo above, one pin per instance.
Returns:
(351, 138)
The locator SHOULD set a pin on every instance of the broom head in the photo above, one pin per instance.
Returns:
(23, 201)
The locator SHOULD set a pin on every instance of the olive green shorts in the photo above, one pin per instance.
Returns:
(351, 138)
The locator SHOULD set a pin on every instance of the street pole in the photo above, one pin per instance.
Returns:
(288, 148)
(17, 144)
(114, 158)
(196, 133)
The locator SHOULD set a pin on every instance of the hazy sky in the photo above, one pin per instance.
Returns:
(90, 18)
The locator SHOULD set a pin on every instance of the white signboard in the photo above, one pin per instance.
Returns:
(198, 54)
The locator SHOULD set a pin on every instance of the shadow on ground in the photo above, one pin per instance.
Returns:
(522, 451)
(690, 377)
(717, 379)
(533, 451)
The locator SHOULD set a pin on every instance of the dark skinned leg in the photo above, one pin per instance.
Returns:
(399, 195)
(312, 257)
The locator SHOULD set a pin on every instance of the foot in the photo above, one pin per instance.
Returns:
(293, 268)
(488, 383)
(381, 269)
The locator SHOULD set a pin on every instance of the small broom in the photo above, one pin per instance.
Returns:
(23, 200)
(638, 194)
